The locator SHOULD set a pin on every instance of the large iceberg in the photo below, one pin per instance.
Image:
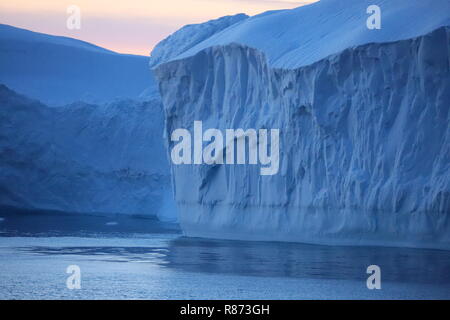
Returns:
(363, 118)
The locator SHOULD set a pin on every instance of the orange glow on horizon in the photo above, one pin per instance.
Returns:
(132, 26)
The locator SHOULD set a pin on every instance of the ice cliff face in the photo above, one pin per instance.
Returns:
(83, 158)
(365, 143)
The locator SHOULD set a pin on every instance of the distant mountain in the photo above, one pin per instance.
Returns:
(61, 70)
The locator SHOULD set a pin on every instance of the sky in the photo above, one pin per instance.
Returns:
(131, 26)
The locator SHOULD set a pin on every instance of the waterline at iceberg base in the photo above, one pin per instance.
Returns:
(311, 225)
(364, 144)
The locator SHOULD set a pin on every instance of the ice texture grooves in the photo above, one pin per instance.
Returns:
(364, 144)
(83, 158)
(301, 36)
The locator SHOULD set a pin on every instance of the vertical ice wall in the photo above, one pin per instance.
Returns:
(365, 144)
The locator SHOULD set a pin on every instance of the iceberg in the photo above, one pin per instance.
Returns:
(299, 37)
(363, 118)
(84, 158)
(189, 36)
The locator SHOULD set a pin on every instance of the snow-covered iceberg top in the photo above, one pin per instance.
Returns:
(301, 36)
(189, 36)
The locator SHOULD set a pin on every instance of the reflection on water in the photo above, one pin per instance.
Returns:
(165, 247)
(308, 261)
(272, 259)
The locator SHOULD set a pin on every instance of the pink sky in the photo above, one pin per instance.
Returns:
(132, 26)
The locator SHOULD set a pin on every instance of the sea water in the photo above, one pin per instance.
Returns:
(139, 258)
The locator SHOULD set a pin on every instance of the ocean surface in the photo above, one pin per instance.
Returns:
(140, 258)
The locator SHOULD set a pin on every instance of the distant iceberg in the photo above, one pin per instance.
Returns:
(84, 158)
(61, 70)
(101, 150)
